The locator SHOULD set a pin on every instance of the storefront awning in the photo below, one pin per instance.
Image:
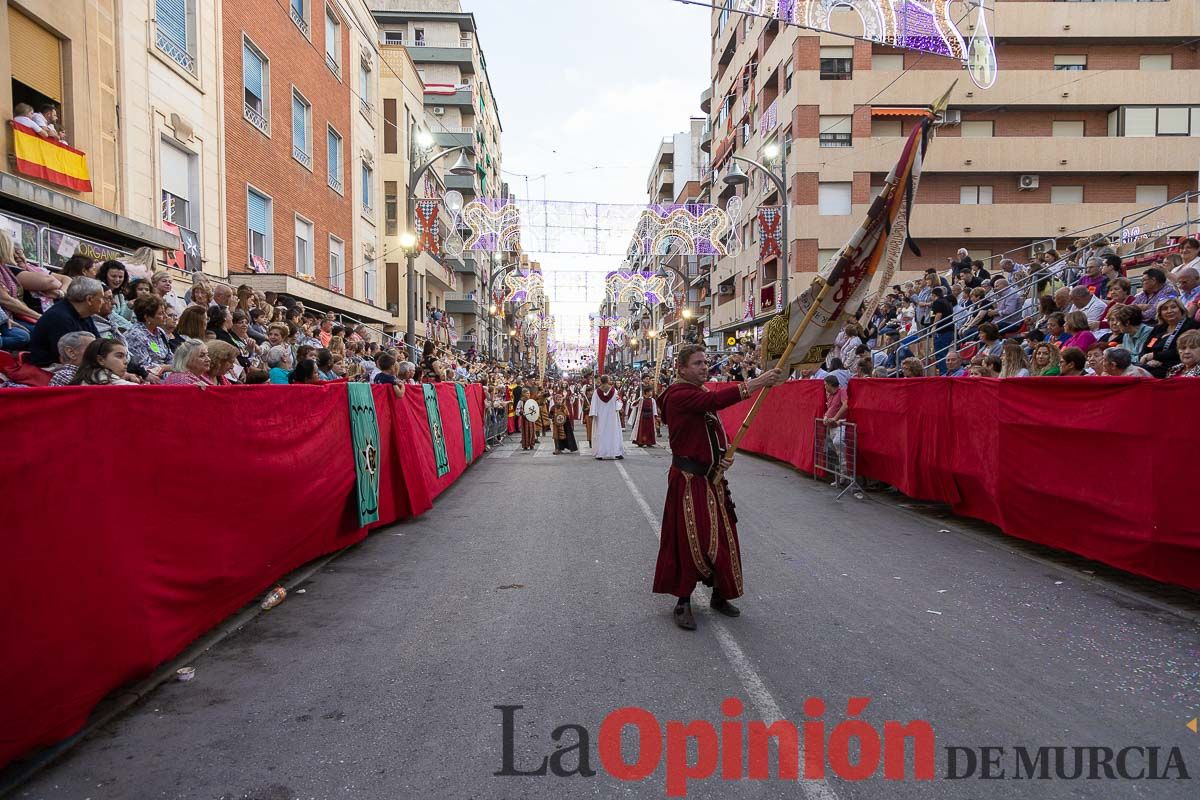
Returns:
(901, 111)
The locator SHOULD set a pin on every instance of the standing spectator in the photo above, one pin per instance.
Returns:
(1045, 360)
(148, 344)
(47, 118)
(161, 284)
(71, 348)
(1189, 356)
(190, 366)
(943, 327)
(104, 364)
(1155, 290)
(85, 298)
(1162, 351)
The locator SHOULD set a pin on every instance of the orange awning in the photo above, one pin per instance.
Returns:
(901, 111)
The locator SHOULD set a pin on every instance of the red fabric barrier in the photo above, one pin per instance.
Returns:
(1095, 466)
(136, 518)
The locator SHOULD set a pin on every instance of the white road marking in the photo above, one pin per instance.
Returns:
(756, 690)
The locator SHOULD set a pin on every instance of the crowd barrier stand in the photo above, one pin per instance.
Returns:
(1100, 467)
(137, 518)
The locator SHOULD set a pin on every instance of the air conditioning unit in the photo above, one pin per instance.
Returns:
(1037, 248)
(948, 117)
(724, 290)
(439, 111)
(1027, 183)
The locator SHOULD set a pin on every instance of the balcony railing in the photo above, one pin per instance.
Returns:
(463, 44)
(300, 155)
(256, 119)
(365, 107)
(300, 21)
(335, 183)
(333, 65)
(177, 51)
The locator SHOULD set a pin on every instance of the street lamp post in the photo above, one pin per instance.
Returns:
(424, 141)
(735, 177)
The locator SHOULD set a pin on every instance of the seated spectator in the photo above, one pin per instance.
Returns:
(12, 336)
(104, 364)
(1012, 360)
(1095, 358)
(1119, 363)
(1128, 330)
(305, 373)
(139, 287)
(149, 345)
(191, 325)
(990, 343)
(388, 373)
(190, 366)
(405, 371)
(991, 366)
(1189, 256)
(326, 366)
(71, 348)
(1092, 306)
(77, 266)
(954, 364)
(1073, 362)
(164, 287)
(1045, 360)
(1120, 293)
(18, 313)
(1093, 280)
(1155, 290)
(110, 324)
(85, 298)
(909, 368)
(257, 330)
(222, 359)
(279, 361)
(1079, 332)
(1188, 283)
(201, 296)
(113, 275)
(30, 283)
(1188, 346)
(1161, 351)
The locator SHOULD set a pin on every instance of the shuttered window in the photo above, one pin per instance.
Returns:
(389, 125)
(258, 222)
(36, 55)
(252, 72)
(177, 167)
(256, 212)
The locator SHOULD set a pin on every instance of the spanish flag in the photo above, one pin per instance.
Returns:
(49, 160)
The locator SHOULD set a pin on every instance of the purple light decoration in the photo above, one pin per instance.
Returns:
(916, 29)
(701, 244)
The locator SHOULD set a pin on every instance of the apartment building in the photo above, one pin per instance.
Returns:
(69, 53)
(1095, 115)
(460, 110)
(302, 196)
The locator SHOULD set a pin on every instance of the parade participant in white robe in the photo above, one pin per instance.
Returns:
(606, 430)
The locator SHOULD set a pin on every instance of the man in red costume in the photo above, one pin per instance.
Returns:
(699, 541)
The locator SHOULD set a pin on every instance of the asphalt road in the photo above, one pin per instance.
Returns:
(529, 585)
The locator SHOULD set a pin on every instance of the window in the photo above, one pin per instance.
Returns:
(1151, 195)
(391, 127)
(975, 195)
(875, 192)
(337, 264)
(299, 14)
(333, 159)
(886, 127)
(1065, 195)
(258, 223)
(419, 37)
(1173, 121)
(304, 251)
(333, 42)
(301, 130)
(391, 208)
(1155, 121)
(835, 131)
(1155, 63)
(255, 83)
(180, 174)
(978, 129)
(35, 56)
(1063, 127)
(175, 31)
(367, 175)
(833, 199)
(887, 62)
(789, 72)
(364, 89)
(1070, 63)
(837, 63)
(369, 282)
(824, 257)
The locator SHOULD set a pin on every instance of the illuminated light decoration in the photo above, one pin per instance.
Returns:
(626, 286)
(927, 26)
(520, 286)
(770, 224)
(692, 229)
(493, 223)
(427, 227)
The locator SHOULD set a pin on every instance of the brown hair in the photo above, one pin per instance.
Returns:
(192, 322)
(1188, 339)
(685, 354)
(147, 306)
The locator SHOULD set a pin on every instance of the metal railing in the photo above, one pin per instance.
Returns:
(1156, 240)
(835, 455)
(300, 155)
(256, 119)
(176, 50)
(299, 19)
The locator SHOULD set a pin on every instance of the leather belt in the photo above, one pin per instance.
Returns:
(691, 466)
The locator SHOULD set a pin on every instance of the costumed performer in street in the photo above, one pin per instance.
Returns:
(605, 410)
(699, 539)
(563, 425)
(645, 419)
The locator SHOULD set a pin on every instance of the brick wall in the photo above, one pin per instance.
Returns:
(266, 162)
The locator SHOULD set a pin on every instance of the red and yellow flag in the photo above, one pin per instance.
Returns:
(49, 160)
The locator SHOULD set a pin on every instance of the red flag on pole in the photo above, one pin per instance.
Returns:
(602, 350)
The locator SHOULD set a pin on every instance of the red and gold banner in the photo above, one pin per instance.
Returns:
(49, 160)
(428, 227)
(770, 225)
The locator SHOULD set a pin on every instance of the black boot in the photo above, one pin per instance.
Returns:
(723, 606)
(683, 615)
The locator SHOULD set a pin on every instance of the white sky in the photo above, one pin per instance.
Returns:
(586, 91)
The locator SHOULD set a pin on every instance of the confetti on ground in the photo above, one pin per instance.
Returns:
(927, 611)
(1058, 583)
(944, 530)
(942, 591)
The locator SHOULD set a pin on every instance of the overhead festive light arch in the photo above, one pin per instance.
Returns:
(493, 225)
(523, 285)
(648, 288)
(691, 229)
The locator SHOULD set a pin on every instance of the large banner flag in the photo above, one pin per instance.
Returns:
(601, 350)
(428, 227)
(770, 226)
(464, 413)
(49, 160)
(436, 434)
(364, 432)
(843, 282)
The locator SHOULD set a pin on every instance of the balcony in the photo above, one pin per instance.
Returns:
(456, 137)
(300, 21)
(300, 155)
(463, 266)
(460, 97)
(333, 65)
(256, 119)
(706, 100)
(462, 303)
(463, 183)
(335, 183)
(461, 53)
(173, 49)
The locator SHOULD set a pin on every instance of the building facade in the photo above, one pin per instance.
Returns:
(1081, 129)
(301, 190)
(68, 53)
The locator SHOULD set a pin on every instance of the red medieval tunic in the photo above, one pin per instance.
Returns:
(699, 541)
(644, 421)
